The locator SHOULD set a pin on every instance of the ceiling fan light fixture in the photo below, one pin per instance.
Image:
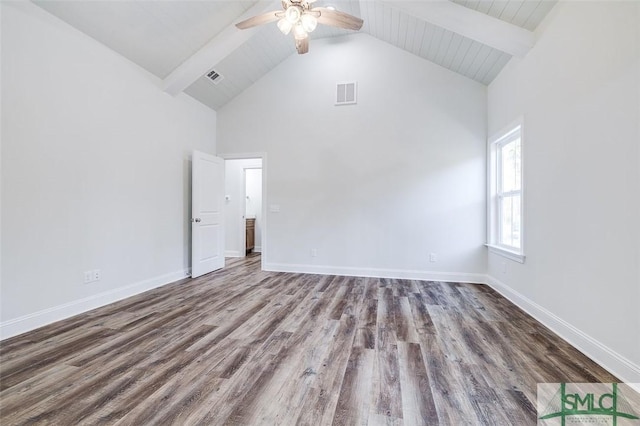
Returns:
(284, 26)
(309, 22)
(300, 18)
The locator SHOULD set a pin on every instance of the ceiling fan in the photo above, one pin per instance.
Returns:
(298, 16)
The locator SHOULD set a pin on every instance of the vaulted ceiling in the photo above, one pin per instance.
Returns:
(180, 41)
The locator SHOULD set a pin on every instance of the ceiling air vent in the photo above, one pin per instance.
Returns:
(215, 77)
(346, 93)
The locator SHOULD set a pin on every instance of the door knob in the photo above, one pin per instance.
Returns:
(197, 219)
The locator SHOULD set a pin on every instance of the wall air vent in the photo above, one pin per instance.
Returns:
(215, 76)
(346, 93)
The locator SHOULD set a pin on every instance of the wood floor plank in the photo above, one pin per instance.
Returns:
(296, 375)
(319, 407)
(449, 394)
(39, 388)
(238, 399)
(421, 318)
(366, 325)
(23, 368)
(418, 406)
(355, 392)
(387, 394)
(243, 346)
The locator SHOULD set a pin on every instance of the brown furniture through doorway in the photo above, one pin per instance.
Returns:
(251, 235)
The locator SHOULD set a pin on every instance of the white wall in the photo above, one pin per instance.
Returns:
(235, 206)
(579, 93)
(253, 179)
(95, 172)
(372, 187)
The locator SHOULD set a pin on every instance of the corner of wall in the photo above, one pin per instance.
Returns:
(606, 357)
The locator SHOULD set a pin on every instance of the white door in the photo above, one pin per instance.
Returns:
(207, 210)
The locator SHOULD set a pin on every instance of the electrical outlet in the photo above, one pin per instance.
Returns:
(92, 276)
(314, 252)
(433, 257)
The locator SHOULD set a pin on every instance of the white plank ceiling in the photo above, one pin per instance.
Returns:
(161, 35)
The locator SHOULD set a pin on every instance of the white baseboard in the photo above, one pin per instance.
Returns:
(378, 273)
(257, 249)
(47, 316)
(609, 359)
(233, 253)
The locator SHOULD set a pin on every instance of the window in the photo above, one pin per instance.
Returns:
(505, 194)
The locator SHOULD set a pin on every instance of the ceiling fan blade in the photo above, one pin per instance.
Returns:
(302, 45)
(259, 20)
(334, 18)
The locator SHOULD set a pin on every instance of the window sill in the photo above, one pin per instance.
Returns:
(515, 256)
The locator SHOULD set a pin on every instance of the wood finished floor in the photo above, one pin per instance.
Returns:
(246, 347)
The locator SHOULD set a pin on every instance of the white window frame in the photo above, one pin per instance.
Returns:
(500, 139)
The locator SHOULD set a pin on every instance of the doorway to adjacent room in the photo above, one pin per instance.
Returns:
(245, 218)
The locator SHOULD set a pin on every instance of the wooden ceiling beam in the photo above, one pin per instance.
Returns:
(469, 23)
(215, 50)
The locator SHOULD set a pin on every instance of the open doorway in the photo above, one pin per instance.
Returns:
(245, 219)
